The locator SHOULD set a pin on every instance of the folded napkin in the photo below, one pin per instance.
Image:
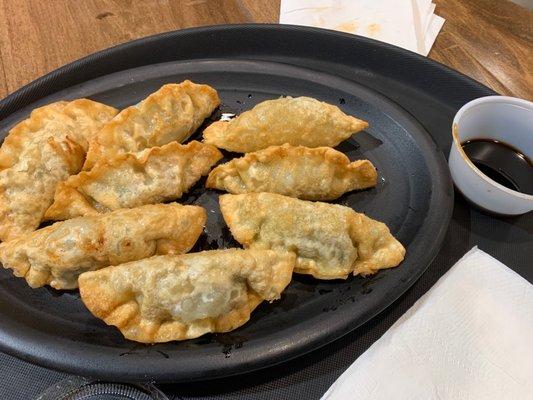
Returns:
(410, 24)
(469, 337)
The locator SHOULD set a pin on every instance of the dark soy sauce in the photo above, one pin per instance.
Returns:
(502, 163)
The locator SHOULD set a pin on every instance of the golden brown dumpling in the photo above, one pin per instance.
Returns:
(80, 119)
(166, 298)
(57, 254)
(172, 113)
(40, 152)
(330, 241)
(321, 173)
(152, 176)
(298, 121)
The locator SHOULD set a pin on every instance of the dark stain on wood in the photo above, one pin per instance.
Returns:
(104, 14)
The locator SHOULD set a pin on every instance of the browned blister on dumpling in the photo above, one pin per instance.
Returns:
(155, 175)
(330, 241)
(40, 152)
(170, 114)
(166, 298)
(57, 254)
(320, 173)
(299, 121)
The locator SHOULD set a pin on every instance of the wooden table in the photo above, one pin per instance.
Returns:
(488, 40)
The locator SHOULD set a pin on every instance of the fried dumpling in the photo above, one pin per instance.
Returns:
(330, 241)
(155, 175)
(80, 119)
(166, 298)
(40, 152)
(170, 114)
(321, 173)
(57, 254)
(298, 121)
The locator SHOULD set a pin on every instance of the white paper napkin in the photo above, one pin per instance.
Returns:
(410, 24)
(469, 337)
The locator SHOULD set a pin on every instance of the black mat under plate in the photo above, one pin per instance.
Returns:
(430, 92)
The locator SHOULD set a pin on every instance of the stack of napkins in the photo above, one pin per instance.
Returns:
(469, 337)
(410, 24)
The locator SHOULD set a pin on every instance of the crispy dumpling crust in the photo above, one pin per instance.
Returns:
(320, 173)
(172, 113)
(80, 119)
(298, 121)
(57, 254)
(40, 152)
(166, 298)
(330, 241)
(155, 175)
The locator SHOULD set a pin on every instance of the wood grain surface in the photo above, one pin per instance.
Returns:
(488, 40)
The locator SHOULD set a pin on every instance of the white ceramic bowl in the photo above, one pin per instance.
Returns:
(507, 119)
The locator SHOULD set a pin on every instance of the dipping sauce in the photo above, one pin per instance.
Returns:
(502, 163)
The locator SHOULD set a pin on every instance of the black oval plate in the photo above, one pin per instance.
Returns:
(414, 197)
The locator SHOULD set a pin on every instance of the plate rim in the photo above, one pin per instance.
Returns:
(42, 86)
